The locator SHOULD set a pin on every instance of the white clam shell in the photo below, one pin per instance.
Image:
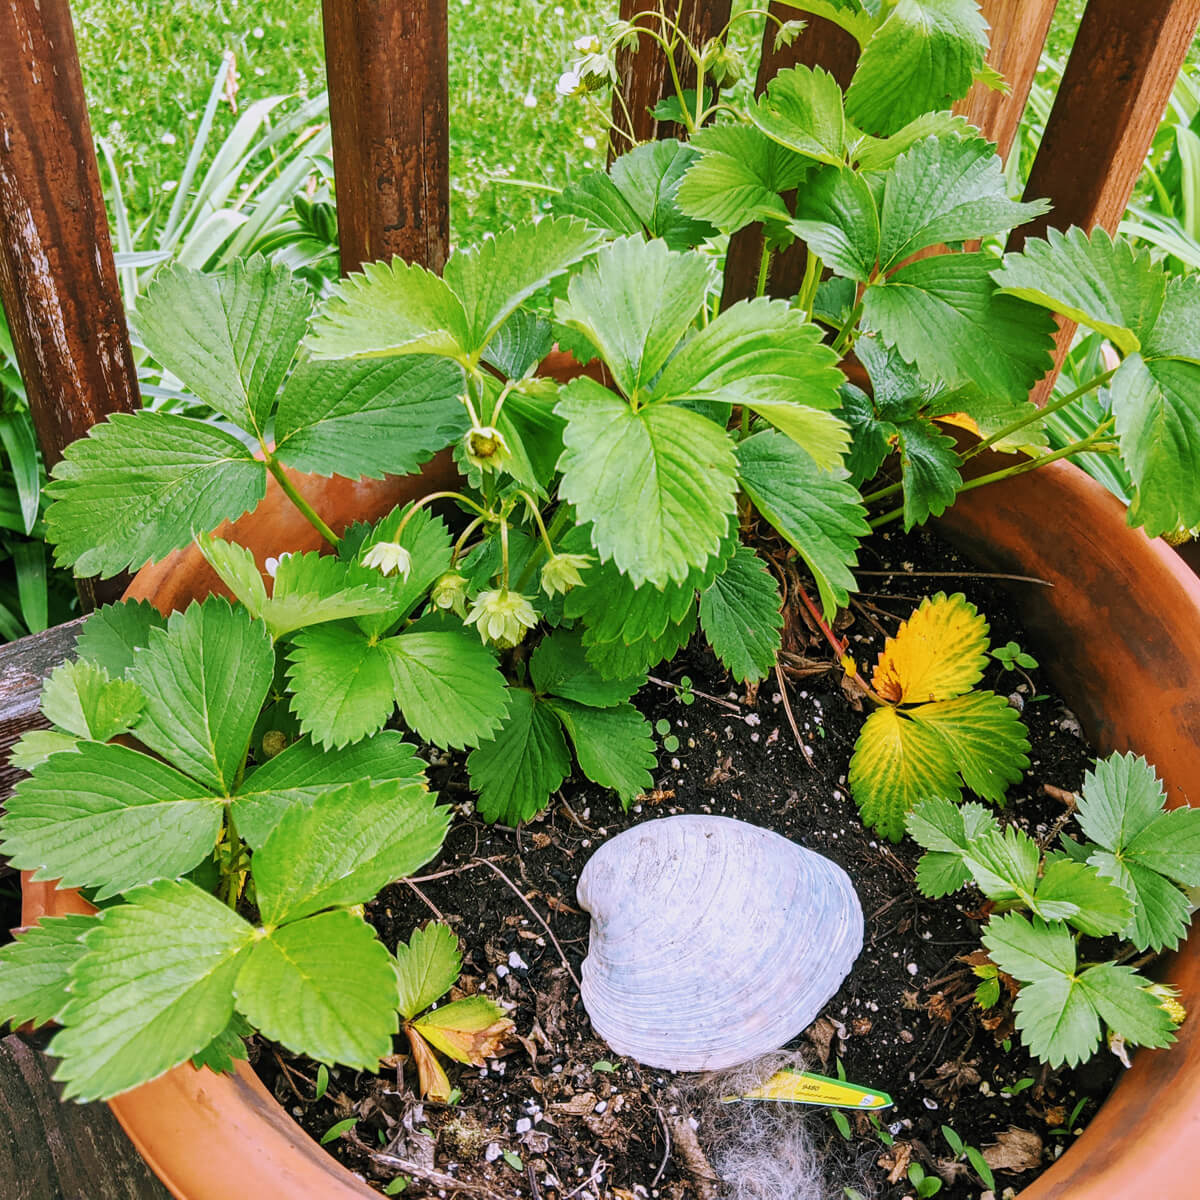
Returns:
(712, 940)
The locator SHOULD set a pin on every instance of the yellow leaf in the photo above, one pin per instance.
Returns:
(897, 762)
(938, 653)
(468, 1030)
(434, 1083)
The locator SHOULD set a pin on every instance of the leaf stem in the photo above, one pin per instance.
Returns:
(309, 513)
(1038, 414)
(843, 340)
(504, 551)
(839, 645)
(764, 269)
(1093, 441)
(807, 295)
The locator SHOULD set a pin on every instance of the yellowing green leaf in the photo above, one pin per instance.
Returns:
(897, 763)
(468, 1030)
(938, 653)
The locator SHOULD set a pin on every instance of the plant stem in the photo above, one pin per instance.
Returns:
(1091, 442)
(764, 268)
(504, 551)
(839, 644)
(842, 343)
(808, 288)
(309, 513)
(1038, 414)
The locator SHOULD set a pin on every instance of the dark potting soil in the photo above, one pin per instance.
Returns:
(562, 1116)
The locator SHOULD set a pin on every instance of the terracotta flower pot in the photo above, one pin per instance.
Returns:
(1119, 631)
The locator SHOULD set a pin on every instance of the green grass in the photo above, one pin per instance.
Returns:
(148, 66)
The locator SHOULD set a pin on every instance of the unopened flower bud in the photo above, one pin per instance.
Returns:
(502, 617)
(590, 43)
(450, 593)
(389, 558)
(561, 572)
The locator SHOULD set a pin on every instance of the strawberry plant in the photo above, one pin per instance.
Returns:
(1127, 882)
(227, 783)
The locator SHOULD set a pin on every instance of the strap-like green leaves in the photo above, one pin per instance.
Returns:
(140, 484)
(205, 679)
(230, 336)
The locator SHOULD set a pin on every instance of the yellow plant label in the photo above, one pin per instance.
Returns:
(802, 1087)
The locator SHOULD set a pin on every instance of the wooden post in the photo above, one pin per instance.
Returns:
(388, 110)
(643, 75)
(822, 44)
(58, 282)
(1120, 75)
(1018, 33)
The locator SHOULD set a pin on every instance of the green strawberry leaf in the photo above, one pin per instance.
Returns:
(516, 771)
(649, 177)
(1056, 1021)
(837, 217)
(35, 967)
(230, 335)
(81, 698)
(944, 190)
(945, 314)
(447, 685)
(739, 177)
(1080, 895)
(559, 667)
(302, 774)
(108, 817)
(520, 343)
(613, 745)
(36, 745)
(110, 635)
(740, 616)
(619, 660)
(896, 763)
(341, 684)
(928, 471)
(802, 111)
(946, 830)
(985, 737)
(596, 199)
(656, 483)
(494, 278)
(1119, 997)
(139, 485)
(363, 419)
(237, 570)
(426, 968)
(391, 308)
(154, 987)
(872, 154)
(922, 58)
(1158, 423)
(1107, 285)
(1030, 950)
(345, 847)
(205, 678)
(324, 987)
(1161, 911)
(633, 302)
(819, 512)
(313, 588)
(226, 1049)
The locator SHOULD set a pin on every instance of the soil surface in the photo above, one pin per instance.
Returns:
(562, 1116)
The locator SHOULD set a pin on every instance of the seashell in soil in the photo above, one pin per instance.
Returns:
(712, 941)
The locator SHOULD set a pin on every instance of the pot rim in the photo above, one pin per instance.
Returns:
(209, 1136)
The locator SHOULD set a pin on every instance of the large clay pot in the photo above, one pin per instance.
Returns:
(1119, 631)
